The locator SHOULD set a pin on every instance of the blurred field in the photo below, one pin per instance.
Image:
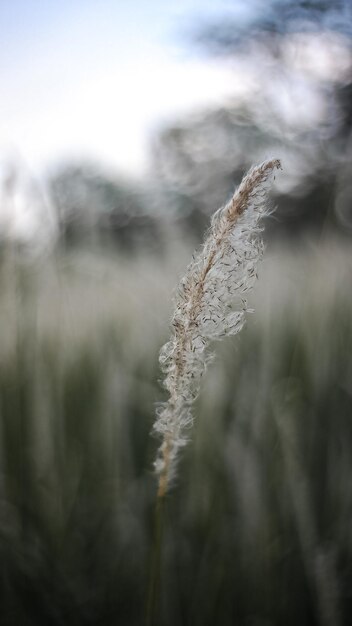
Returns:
(257, 528)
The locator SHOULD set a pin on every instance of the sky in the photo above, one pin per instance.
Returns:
(84, 79)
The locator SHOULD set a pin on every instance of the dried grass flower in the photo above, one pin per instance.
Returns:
(210, 304)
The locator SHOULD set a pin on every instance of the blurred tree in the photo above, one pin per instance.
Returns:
(277, 17)
(292, 64)
(93, 206)
(27, 221)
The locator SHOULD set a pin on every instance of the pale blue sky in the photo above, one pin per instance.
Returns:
(92, 78)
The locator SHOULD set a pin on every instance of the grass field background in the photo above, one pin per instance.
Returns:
(257, 528)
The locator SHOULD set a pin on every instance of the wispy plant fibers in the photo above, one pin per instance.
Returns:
(210, 305)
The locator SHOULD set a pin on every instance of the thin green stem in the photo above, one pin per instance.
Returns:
(152, 606)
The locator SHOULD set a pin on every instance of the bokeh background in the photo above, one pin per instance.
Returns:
(123, 127)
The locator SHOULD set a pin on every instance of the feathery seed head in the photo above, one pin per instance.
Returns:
(210, 305)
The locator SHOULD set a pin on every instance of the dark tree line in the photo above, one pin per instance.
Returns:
(299, 57)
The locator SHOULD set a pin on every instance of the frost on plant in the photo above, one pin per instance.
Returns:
(210, 304)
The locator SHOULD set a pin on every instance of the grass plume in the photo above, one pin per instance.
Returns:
(210, 305)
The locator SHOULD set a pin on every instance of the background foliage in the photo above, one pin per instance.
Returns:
(257, 527)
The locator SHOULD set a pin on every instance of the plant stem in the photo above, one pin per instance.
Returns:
(152, 605)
